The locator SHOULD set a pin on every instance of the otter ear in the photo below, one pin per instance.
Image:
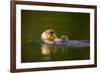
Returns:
(45, 31)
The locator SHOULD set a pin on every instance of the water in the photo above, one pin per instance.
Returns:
(75, 25)
(41, 52)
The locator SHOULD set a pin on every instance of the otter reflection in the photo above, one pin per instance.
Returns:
(48, 51)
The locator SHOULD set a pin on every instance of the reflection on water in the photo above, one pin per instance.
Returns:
(31, 52)
(48, 50)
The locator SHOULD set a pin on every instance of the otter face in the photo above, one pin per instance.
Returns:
(49, 35)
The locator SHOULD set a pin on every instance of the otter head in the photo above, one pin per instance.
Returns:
(49, 35)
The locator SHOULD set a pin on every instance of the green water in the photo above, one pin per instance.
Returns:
(74, 25)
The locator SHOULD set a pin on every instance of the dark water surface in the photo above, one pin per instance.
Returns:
(43, 52)
(75, 25)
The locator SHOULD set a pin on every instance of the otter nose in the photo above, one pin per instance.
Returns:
(51, 32)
